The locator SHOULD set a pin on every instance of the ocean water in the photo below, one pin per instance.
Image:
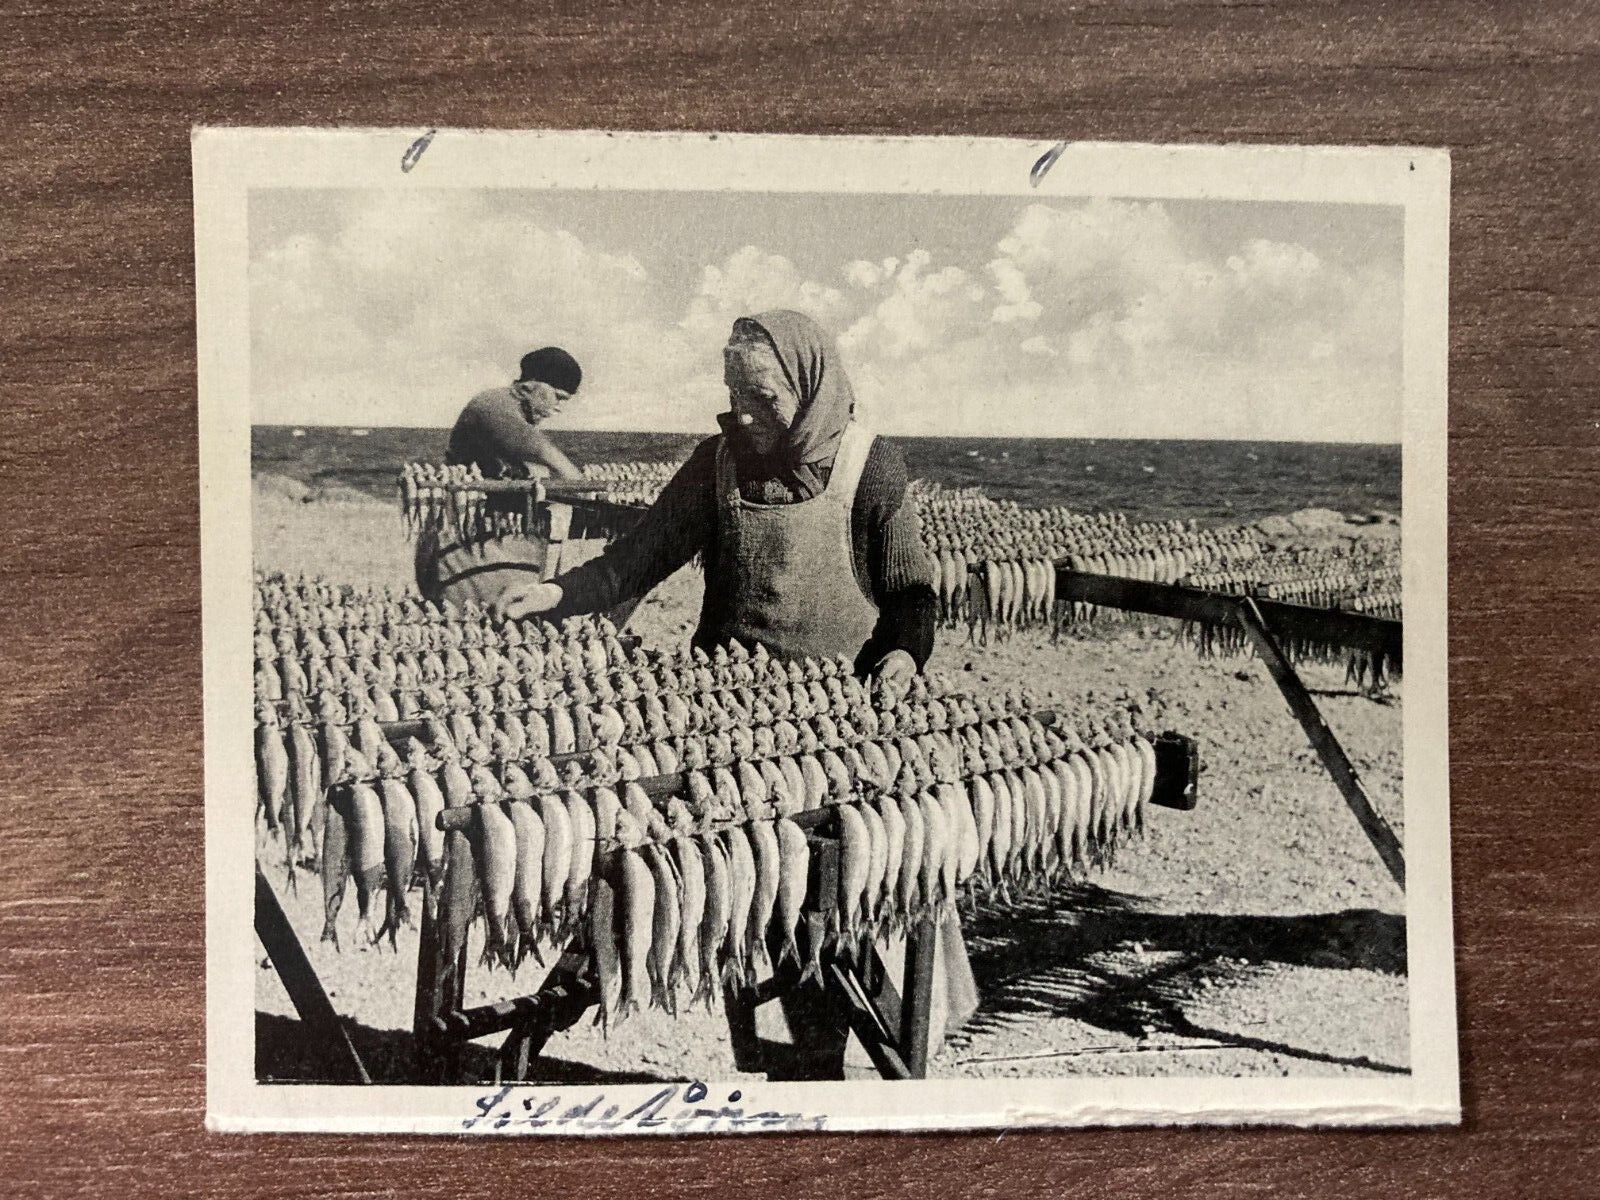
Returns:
(1208, 481)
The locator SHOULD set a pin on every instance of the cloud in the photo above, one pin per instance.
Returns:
(1091, 319)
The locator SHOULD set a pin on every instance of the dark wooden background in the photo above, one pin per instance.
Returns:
(101, 888)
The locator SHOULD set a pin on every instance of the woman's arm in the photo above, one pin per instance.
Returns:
(677, 526)
(898, 570)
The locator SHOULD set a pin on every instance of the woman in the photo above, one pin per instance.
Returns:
(810, 549)
(498, 432)
(800, 515)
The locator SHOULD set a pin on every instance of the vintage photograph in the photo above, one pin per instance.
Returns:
(753, 633)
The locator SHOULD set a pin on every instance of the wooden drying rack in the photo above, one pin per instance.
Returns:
(893, 1023)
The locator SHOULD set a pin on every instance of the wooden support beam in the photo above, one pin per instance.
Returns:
(569, 991)
(867, 1023)
(1355, 631)
(300, 981)
(441, 988)
(916, 1033)
(1323, 741)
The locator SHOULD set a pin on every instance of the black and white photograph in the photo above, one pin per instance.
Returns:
(713, 633)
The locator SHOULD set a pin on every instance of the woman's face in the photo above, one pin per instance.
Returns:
(758, 390)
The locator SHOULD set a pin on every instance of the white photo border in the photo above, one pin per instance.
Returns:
(230, 162)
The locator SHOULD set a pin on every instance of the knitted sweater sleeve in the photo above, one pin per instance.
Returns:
(680, 523)
(887, 539)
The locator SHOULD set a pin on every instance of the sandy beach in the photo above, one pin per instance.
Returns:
(1257, 935)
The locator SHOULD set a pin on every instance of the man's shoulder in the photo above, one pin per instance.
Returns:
(491, 398)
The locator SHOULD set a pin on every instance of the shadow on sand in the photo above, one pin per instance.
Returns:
(284, 1054)
(1060, 958)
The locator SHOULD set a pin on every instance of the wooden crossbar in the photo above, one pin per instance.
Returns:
(1355, 631)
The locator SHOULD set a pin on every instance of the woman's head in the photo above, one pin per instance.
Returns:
(790, 396)
(760, 394)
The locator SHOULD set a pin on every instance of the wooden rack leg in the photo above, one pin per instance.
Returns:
(441, 989)
(569, 991)
(874, 1014)
(922, 944)
(1323, 741)
(300, 981)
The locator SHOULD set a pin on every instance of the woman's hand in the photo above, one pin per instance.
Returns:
(528, 600)
(894, 673)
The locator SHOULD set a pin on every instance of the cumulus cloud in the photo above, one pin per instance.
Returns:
(1090, 319)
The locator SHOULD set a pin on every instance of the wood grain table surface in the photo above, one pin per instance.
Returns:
(102, 894)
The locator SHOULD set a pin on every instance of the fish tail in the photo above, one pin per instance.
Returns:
(790, 951)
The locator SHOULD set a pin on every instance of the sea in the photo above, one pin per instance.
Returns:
(1212, 482)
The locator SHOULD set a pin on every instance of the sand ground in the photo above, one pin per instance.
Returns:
(1257, 935)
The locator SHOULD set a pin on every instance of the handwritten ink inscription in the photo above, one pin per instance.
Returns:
(674, 1109)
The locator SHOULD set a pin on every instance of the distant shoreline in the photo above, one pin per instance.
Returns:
(441, 430)
(1216, 483)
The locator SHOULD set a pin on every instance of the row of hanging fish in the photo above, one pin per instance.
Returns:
(691, 709)
(283, 600)
(996, 591)
(449, 499)
(994, 561)
(1357, 578)
(1353, 578)
(440, 498)
(410, 671)
(637, 483)
(569, 743)
(373, 610)
(709, 883)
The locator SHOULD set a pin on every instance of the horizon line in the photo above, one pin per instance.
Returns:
(1045, 437)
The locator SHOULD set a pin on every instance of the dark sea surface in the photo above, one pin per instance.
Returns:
(1209, 481)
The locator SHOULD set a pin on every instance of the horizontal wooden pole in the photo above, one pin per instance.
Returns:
(584, 490)
(452, 819)
(1288, 622)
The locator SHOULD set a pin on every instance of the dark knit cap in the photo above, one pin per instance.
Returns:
(554, 366)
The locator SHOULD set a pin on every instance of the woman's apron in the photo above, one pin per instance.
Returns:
(784, 574)
(785, 578)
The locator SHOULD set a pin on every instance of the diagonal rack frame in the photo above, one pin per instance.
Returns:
(1265, 623)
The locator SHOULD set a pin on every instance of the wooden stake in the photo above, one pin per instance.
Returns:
(1323, 742)
(301, 982)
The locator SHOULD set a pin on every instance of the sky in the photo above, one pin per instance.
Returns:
(954, 315)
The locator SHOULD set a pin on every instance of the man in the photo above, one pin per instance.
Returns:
(498, 432)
